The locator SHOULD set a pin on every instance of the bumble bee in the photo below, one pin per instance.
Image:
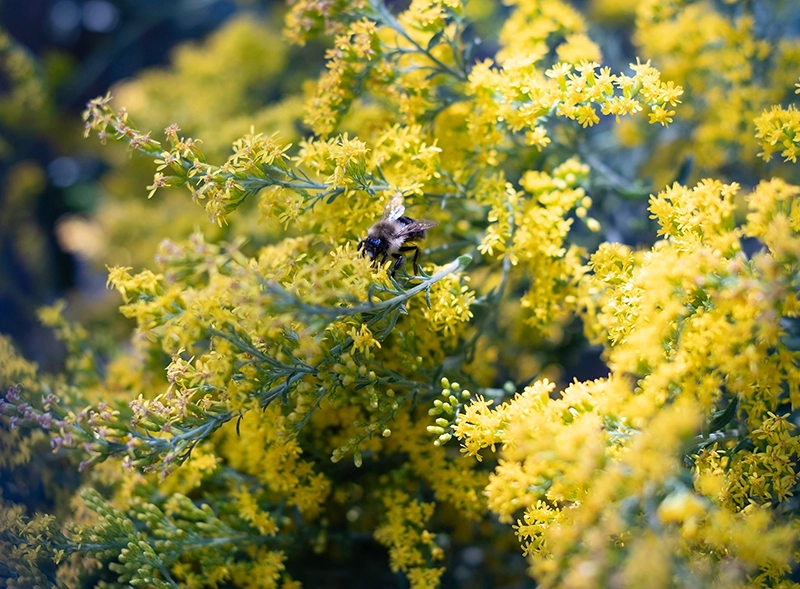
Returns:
(392, 234)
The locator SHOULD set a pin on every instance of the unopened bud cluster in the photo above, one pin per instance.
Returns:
(66, 428)
(369, 429)
(446, 411)
(22, 413)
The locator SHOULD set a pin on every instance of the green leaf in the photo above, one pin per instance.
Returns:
(435, 40)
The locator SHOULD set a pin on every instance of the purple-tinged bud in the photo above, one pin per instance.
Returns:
(45, 420)
(68, 439)
(12, 394)
(55, 443)
(22, 408)
(83, 466)
(14, 422)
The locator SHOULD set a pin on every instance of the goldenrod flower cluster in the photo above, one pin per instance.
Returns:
(281, 397)
(778, 131)
(732, 70)
(697, 358)
(410, 544)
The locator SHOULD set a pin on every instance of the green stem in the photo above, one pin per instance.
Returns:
(457, 264)
(387, 18)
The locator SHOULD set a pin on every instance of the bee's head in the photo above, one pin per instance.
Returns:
(371, 246)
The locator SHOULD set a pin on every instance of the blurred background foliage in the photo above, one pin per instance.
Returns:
(68, 206)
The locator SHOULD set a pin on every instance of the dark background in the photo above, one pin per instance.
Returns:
(79, 49)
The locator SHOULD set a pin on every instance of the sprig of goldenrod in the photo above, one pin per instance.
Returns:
(258, 163)
(778, 130)
(160, 433)
(146, 544)
(412, 548)
(521, 97)
(405, 55)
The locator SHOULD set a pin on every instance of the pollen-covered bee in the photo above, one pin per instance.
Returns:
(391, 236)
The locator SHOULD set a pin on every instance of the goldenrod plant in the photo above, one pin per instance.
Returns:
(283, 401)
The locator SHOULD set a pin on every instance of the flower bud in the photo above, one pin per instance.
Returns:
(12, 394)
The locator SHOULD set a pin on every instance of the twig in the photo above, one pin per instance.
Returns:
(457, 264)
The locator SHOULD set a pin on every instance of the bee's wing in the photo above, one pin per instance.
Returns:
(416, 226)
(395, 209)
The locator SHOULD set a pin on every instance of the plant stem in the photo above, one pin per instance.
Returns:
(457, 264)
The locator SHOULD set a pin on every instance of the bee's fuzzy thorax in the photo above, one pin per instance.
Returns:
(386, 230)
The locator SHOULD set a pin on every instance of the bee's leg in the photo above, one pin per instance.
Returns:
(399, 262)
(360, 245)
(415, 249)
